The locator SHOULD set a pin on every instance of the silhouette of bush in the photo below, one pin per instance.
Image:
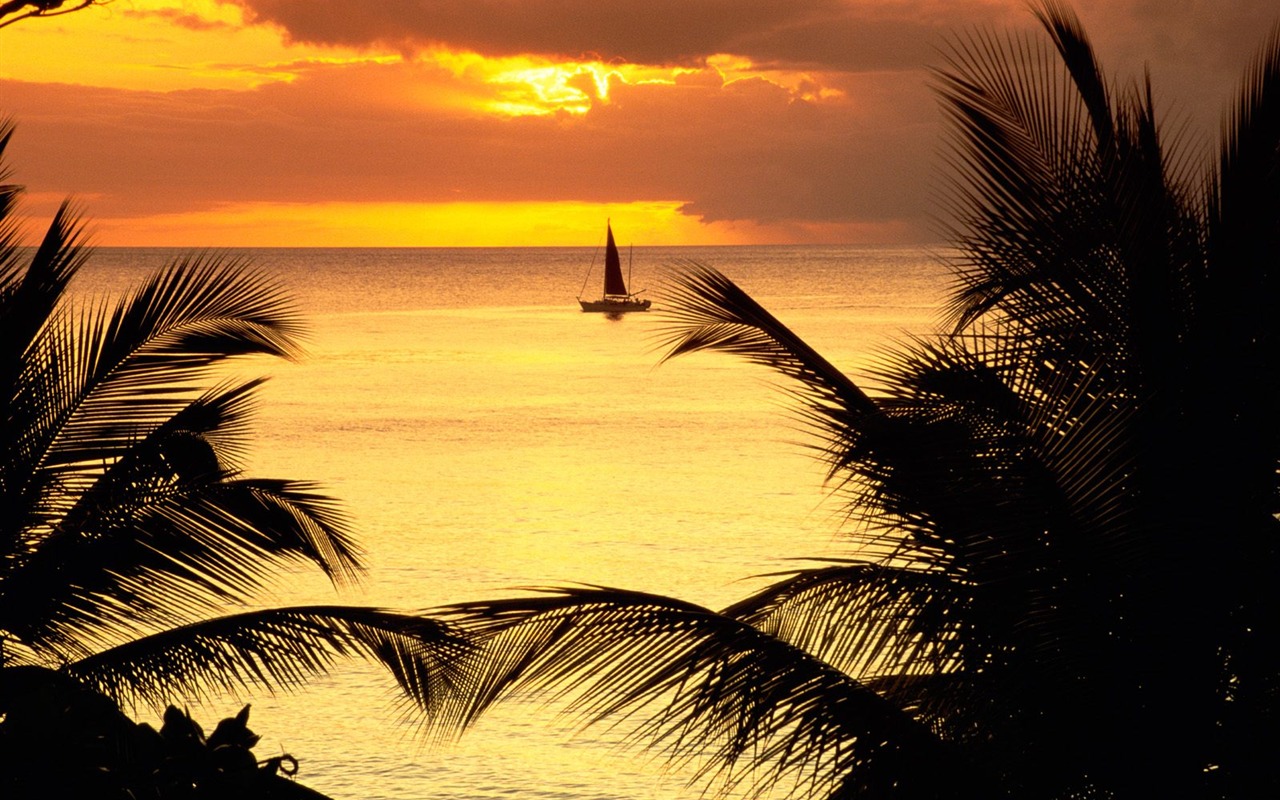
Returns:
(61, 739)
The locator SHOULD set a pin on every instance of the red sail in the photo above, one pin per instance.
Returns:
(613, 282)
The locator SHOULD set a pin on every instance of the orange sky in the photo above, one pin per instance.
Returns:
(526, 122)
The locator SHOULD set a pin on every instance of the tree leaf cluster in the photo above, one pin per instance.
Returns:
(134, 549)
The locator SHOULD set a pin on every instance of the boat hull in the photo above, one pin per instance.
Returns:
(614, 306)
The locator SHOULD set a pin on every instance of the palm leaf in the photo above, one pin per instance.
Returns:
(169, 532)
(93, 386)
(1025, 189)
(710, 312)
(281, 649)
(137, 367)
(1239, 323)
(867, 620)
(27, 299)
(26, 303)
(180, 558)
(8, 197)
(741, 708)
(1077, 54)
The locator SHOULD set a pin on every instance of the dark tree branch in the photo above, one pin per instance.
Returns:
(13, 10)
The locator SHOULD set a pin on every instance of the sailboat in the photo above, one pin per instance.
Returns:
(616, 298)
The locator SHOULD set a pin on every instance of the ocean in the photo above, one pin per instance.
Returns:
(486, 436)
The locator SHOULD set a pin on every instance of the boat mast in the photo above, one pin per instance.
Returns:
(590, 268)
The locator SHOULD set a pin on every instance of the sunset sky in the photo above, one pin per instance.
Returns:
(527, 122)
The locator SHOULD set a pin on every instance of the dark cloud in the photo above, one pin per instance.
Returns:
(746, 151)
(1196, 52)
(832, 34)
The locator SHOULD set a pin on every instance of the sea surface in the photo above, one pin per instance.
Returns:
(486, 436)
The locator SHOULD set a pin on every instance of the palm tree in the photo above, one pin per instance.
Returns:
(1065, 505)
(130, 540)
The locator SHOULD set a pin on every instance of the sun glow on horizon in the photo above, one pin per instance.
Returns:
(344, 224)
(492, 224)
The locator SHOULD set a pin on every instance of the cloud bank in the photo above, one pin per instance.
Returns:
(829, 118)
(743, 151)
(813, 34)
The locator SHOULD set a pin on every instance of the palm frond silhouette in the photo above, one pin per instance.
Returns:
(131, 541)
(1067, 501)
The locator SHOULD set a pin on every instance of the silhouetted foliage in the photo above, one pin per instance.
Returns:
(15, 10)
(61, 739)
(129, 536)
(1065, 506)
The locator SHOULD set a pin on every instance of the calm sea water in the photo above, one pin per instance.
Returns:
(485, 435)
